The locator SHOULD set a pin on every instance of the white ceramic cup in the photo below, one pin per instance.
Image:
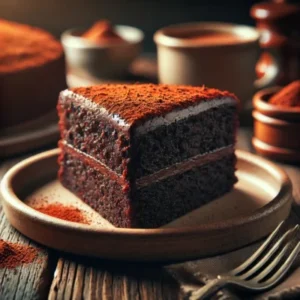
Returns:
(88, 59)
(226, 65)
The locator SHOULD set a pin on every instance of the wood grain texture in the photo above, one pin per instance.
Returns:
(31, 281)
(83, 278)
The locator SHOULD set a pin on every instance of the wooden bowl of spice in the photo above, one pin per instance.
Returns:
(102, 51)
(277, 122)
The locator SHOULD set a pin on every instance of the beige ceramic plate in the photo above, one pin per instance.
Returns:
(30, 135)
(260, 200)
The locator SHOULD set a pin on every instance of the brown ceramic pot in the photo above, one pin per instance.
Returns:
(276, 128)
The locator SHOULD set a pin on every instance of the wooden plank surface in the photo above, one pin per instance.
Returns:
(30, 281)
(83, 278)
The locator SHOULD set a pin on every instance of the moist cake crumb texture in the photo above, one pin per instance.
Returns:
(147, 178)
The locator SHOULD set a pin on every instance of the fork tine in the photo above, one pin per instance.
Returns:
(283, 269)
(258, 252)
(273, 264)
(269, 254)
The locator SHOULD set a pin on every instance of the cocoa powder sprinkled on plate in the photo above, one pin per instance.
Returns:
(67, 213)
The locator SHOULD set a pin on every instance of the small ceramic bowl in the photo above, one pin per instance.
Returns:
(276, 128)
(86, 58)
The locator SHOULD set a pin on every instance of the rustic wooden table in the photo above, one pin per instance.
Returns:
(61, 276)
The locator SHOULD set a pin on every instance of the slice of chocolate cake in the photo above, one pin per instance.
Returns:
(143, 155)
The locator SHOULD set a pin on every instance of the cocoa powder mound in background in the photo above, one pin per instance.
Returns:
(289, 96)
(13, 255)
(102, 32)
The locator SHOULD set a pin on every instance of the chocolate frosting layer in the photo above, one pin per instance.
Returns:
(102, 168)
(173, 170)
(184, 166)
(137, 103)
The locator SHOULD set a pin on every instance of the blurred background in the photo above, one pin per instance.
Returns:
(149, 15)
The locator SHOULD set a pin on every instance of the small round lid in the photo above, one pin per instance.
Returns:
(274, 10)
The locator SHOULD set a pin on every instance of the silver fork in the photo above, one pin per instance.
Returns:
(255, 273)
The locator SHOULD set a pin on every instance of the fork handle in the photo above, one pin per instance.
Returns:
(210, 288)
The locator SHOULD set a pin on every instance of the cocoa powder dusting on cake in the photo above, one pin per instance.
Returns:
(136, 102)
(23, 46)
(13, 255)
(289, 96)
(67, 213)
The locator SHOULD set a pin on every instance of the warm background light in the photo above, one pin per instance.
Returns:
(149, 15)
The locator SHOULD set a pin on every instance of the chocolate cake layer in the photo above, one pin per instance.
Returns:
(199, 134)
(164, 201)
(103, 192)
(151, 205)
(99, 136)
(94, 133)
(184, 166)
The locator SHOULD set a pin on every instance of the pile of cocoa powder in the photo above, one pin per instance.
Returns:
(12, 254)
(289, 96)
(63, 212)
